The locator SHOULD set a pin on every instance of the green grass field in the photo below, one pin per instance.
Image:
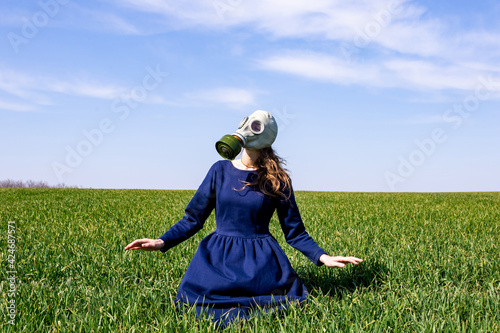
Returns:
(431, 263)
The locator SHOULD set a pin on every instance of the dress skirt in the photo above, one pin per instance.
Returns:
(237, 275)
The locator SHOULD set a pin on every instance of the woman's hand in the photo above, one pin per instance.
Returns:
(338, 261)
(146, 244)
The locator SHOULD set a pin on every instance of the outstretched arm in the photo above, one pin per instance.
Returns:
(197, 211)
(295, 231)
(338, 261)
(297, 236)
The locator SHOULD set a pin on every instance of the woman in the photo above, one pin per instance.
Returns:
(240, 266)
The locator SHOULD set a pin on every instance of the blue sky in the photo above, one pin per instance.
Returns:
(380, 95)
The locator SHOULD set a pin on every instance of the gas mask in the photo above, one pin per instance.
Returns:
(255, 132)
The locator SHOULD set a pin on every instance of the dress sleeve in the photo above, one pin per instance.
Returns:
(295, 231)
(197, 211)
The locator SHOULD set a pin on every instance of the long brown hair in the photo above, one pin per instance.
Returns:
(272, 178)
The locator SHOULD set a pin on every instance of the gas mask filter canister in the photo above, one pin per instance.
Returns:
(255, 132)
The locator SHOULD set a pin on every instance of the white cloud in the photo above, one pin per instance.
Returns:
(396, 72)
(33, 87)
(84, 88)
(318, 66)
(12, 17)
(232, 97)
(23, 86)
(396, 26)
(429, 75)
(33, 90)
(426, 119)
(376, 30)
(397, 43)
(332, 19)
(17, 107)
(115, 23)
(160, 100)
(154, 6)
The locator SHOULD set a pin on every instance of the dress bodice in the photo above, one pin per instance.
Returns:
(243, 211)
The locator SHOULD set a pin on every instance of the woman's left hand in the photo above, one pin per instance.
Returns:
(338, 261)
(146, 244)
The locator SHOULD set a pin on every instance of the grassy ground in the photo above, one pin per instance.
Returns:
(431, 263)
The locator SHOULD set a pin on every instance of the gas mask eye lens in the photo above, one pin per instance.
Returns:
(256, 127)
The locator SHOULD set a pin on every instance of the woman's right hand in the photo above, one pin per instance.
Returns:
(145, 244)
(338, 261)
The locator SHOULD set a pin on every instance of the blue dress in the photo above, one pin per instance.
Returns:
(240, 266)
